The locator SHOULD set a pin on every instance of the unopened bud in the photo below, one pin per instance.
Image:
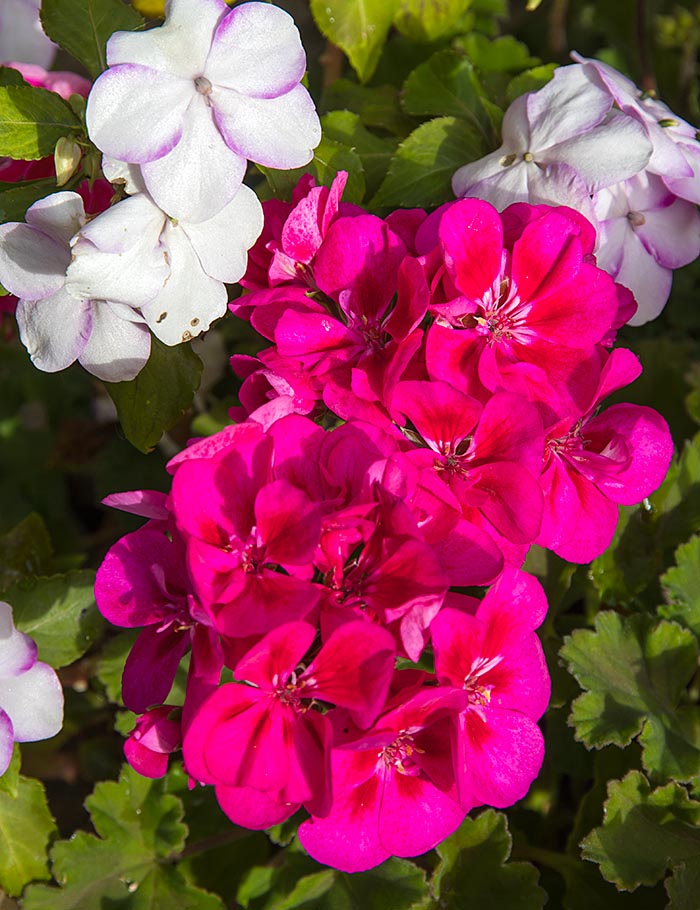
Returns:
(66, 158)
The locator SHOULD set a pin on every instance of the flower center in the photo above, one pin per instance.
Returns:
(480, 692)
(400, 755)
(203, 85)
(636, 219)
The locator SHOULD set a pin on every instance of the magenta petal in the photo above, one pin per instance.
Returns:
(513, 499)
(276, 656)
(442, 415)
(253, 809)
(503, 753)
(266, 600)
(143, 760)
(468, 555)
(353, 670)
(288, 524)
(151, 666)
(471, 234)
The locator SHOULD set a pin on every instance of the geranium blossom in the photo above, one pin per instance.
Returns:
(31, 697)
(192, 100)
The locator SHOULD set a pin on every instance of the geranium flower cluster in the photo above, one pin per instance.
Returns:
(592, 140)
(428, 409)
(31, 697)
(178, 114)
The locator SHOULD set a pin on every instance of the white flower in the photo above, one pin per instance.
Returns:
(560, 144)
(31, 697)
(22, 39)
(191, 101)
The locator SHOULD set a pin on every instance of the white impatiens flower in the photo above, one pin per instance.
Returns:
(645, 232)
(201, 256)
(193, 100)
(560, 144)
(22, 39)
(31, 697)
(58, 324)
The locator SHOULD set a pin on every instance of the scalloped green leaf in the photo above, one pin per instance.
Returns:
(420, 174)
(82, 27)
(32, 120)
(357, 27)
(644, 832)
(59, 613)
(157, 398)
(129, 864)
(24, 551)
(474, 870)
(447, 85)
(681, 587)
(683, 886)
(26, 825)
(531, 80)
(634, 671)
(374, 152)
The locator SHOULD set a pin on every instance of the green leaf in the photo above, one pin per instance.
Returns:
(24, 551)
(11, 76)
(531, 80)
(420, 173)
(329, 158)
(82, 27)
(32, 120)
(9, 781)
(644, 832)
(447, 85)
(357, 27)
(16, 198)
(503, 54)
(474, 870)
(377, 106)
(429, 20)
(681, 586)
(683, 887)
(25, 828)
(635, 671)
(157, 398)
(59, 613)
(129, 864)
(374, 152)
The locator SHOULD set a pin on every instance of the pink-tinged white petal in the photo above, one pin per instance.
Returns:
(201, 174)
(21, 35)
(7, 741)
(117, 349)
(34, 702)
(136, 114)
(276, 132)
(179, 47)
(616, 149)
(672, 234)
(121, 172)
(647, 280)
(146, 503)
(570, 105)
(256, 51)
(54, 330)
(190, 300)
(60, 215)
(17, 650)
(136, 221)
(32, 263)
(222, 242)
(502, 755)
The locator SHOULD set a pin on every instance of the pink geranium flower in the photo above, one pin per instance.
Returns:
(496, 658)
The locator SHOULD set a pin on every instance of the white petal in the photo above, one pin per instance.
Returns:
(486, 168)
(275, 132)
(32, 264)
(256, 51)
(34, 702)
(613, 151)
(135, 113)
(22, 38)
(672, 234)
(7, 741)
(118, 348)
(201, 174)
(54, 330)
(180, 46)
(17, 650)
(222, 243)
(190, 301)
(121, 172)
(59, 215)
(122, 241)
(570, 105)
(649, 282)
